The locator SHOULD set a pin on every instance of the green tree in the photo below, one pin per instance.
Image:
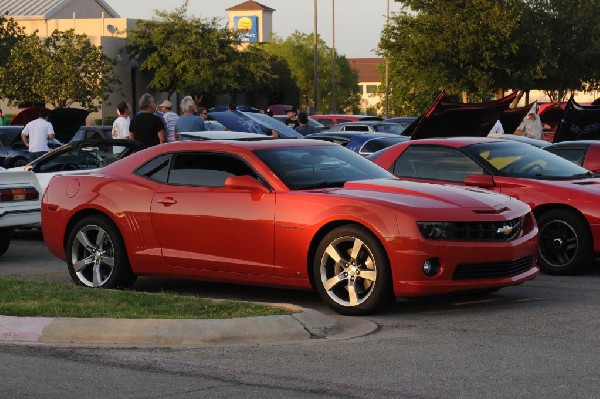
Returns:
(469, 48)
(195, 55)
(10, 34)
(62, 69)
(297, 51)
(570, 39)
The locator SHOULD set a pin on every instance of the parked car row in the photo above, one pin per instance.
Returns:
(309, 213)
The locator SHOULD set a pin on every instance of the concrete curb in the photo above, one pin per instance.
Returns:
(302, 326)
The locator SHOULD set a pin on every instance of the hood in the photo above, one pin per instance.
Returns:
(448, 118)
(578, 122)
(427, 195)
(253, 123)
(66, 121)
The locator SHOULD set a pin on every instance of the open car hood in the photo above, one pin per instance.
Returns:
(448, 118)
(253, 123)
(66, 121)
(578, 122)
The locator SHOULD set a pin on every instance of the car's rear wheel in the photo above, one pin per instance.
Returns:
(6, 235)
(565, 245)
(20, 162)
(351, 271)
(96, 254)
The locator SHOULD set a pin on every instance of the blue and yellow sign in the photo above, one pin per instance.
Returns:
(247, 28)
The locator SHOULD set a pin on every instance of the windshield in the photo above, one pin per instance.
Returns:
(524, 160)
(302, 168)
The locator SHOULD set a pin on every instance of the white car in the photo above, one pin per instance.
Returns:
(20, 195)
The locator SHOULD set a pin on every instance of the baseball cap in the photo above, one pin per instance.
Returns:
(293, 109)
(166, 103)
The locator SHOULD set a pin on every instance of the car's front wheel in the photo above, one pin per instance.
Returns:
(351, 271)
(565, 245)
(96, 254)
(6, 235)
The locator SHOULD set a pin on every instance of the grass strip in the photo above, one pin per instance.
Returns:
(19, 297)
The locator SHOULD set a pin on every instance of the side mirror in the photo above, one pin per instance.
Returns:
(479, 181)
(245, 182)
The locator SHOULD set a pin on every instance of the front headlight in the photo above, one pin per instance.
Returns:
(437, 230)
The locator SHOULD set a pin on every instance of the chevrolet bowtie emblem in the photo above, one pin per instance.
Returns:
(506, 230)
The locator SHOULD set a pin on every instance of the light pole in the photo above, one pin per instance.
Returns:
(387, 68)
(315, 62)
(333, 89)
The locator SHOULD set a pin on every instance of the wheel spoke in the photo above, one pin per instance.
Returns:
(81, 264)
(353, 297)
(333, 253)
(356, 248)
(329, 284)
(369, 263)
(97, 276)
(100, 238)
(370, 275)
(83, 239)
(108, 260)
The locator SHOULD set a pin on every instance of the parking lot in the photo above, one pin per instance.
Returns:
(537, 340)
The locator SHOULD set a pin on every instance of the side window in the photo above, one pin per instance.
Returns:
(342, 120)
(437, 163)
(206, 169)
(156, 169)
(574, 155)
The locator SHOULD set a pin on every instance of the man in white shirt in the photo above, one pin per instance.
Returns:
(120, 128)
(36, 134)
(169, 118)
(496, 129)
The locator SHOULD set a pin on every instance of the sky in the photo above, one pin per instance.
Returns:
(358, 23)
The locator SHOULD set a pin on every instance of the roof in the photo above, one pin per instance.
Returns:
(44, 8)
(367, 68)
(250, 5)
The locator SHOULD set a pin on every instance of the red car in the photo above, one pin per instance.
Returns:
(584, 153)
(563, 196)
(287, 213)
(334, 119)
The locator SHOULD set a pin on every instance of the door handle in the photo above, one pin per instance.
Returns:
(167, 201)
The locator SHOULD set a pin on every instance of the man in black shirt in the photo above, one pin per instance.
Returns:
(146, 127)
(292, 119)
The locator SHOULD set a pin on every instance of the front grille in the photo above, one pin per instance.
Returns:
(492, 270)
(489, 231)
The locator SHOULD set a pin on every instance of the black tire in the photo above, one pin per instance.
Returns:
(6, 234)
(565, 245)
(336, 269)
(96, 254)
(19, 162)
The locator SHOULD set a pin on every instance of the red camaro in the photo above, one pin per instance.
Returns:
(563, 196)
(288, 213)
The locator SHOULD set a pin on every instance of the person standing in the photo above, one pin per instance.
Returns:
(120, 127)
(202, 113)
(189, 121)
(304, 128)
(146, 127)
(496, 129)
(531, 126)
(4, 121)
(292, 119)
(170, 118)
(36, 134)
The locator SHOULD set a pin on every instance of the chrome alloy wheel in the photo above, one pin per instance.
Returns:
(348, 271)
(558, 243)
(92, 256)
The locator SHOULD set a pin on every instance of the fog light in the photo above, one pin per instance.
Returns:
(431, 267)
